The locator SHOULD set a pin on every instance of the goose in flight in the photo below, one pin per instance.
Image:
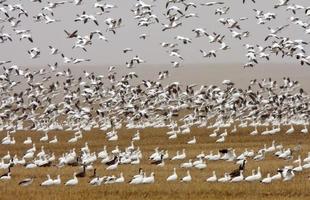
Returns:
(127, 50)
(208, 54)
(281, 3)
(54, 51)
(212, 3)
(34, 52)
(200, 32)
(278, 29)
(27, 36)
(243, 1)
(71, 35)
(185, 40)
(55, 4)
(175, 64)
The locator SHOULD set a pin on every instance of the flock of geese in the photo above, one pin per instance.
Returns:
(175, 14)
(50, 99)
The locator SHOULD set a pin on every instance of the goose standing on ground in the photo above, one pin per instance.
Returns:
(48, 182)
(73, 181)
(173, 176)
(213, 178)
(187, 178)
(267, 180)
(238, 178)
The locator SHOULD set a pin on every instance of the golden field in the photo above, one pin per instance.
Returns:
(298, 188)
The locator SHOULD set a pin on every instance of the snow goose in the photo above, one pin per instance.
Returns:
(305, 130)
(44, 138)
(7, 156)
(213, 178)
(288, 174)
(220, 140)
(120, 179)
(188, 164)
(28, 141)
(271, 148)
(225, 179)
(149, 179)
(137, 179)
(26, 181)
(307, 159)
(306, 166)
(47, 182)
(255, 131)
(192, 141)
(103, 154)
(255, 177)
(238, 178)
(299, 168)
(6, 176)
(173, 176)
(57, 181)
(277, 176)
(179, 156)
(201, 165)
(73, 181)
(136, 137)
(290, 130)
(54, 141)
(187, 178)
(267, 180)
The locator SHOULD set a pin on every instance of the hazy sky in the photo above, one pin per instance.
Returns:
(102, 52)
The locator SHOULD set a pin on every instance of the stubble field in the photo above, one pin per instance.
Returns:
(298, 188)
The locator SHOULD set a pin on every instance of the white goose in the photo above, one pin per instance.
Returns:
(267, 180)
(57, 181)
(187, 178)
(47, 182)
(173, 176)
(238, 178)
(120, 179)
(224, 179)
(192, 141)
(149, 179)
(73, 181)
(213, 178)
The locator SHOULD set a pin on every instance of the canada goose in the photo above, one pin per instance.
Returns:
(238, 178)
(113, 161)
(236, 172)
(81, 174)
